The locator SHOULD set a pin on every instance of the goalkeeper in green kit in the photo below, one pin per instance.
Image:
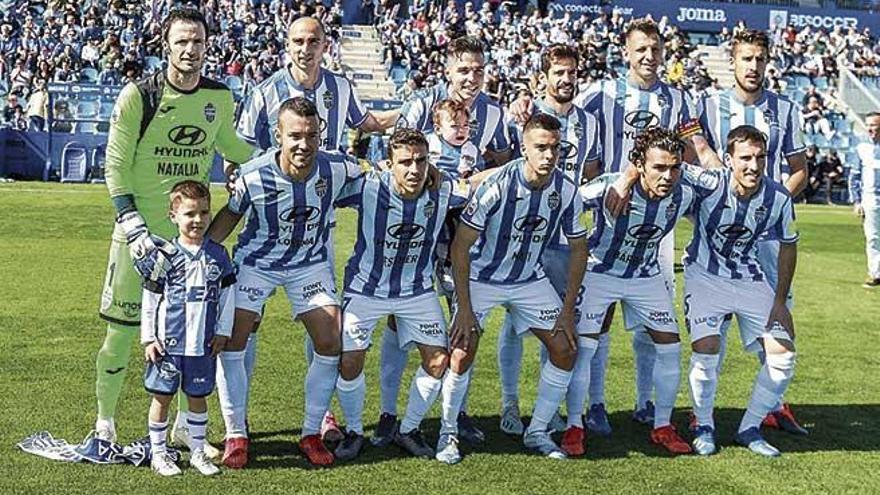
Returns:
(164, 129)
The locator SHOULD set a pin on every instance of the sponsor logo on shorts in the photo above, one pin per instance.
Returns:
(311, 290)
(597, 317)
(662, 317)
(432, 329)
(358, 332)
(171, 342)
(200, 380)
(253, 293)
(548, 314)
(130, 309)
(710, 321)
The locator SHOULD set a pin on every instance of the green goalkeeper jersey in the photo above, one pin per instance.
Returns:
(160, 135)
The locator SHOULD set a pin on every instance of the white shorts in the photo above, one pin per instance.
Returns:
(307, 288)
(646, 302)
(420, 320)
(531, 304)
(708, 298)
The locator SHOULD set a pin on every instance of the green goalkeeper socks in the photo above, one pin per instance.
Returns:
(112, 366)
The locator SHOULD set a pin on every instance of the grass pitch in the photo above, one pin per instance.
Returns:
(54, 241)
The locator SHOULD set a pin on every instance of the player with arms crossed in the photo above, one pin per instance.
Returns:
(465, 71)
(287, 195)
(750, 103)
(623, 268)
(391, 272)
(738, 208)
(864, 189)
(187, 318)
(579, 161)
(164, 129)
(496, 257)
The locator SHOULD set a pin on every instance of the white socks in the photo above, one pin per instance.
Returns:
(198, 426)
(598, 365)
(351, 394)
(422, 394)
(644, 356)
(770, 384)
(320, 383)
(703, 379)
(551, 390)
(454, 388)
(232, 390)
(158, 436)
(510, 351)
(392, 364)
(576, 396)
(666, 377)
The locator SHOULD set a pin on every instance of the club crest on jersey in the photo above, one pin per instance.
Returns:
(662, 101)
(212, 272)
(760, 214)
(471, 207)
(671, 209)
(328, 100)
(321, 187)
(210, 112)
(553, 200)
(429, 209)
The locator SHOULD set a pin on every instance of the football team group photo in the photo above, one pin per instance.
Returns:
(572, 238)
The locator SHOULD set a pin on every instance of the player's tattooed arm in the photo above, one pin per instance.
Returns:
(577, 265)
(223, 224)
(465, 328)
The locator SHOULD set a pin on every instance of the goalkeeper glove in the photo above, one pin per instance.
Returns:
(140, 244)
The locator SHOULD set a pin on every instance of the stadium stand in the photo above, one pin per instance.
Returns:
(392, 53)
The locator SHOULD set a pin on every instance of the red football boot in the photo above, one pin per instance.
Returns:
(573, 441)
(313, 448)
(668, 438)
(235, 453)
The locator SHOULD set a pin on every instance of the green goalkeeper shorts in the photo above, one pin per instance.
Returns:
(121, 297)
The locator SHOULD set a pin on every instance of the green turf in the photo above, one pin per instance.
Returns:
(54, 239)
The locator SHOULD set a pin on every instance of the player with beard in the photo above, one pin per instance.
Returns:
(579, 161)
(749, 103)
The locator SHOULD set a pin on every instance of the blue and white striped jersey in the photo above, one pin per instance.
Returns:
(864, 177)
(627, 246)
(192, 302)
(394, 252)
(776, 116)
(336, 99)
(727, 228)
(580, 139)
(456, 161)
(488, 129)
(288, 222)
(517, 222)
(624, 110)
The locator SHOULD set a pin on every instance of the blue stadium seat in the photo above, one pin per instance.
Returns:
(74, 162)
(96, 171)
(839, 141)
(801, 81)
(105, 110)
(821, 83)
(85, 127)
(819, 140)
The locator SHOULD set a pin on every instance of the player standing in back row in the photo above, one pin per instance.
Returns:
(163, 129)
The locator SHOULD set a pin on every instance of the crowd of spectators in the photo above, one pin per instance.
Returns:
(110, 43)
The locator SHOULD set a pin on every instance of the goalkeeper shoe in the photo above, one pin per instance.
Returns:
(200, 461)
(164, 465)
(313, 448)
(105, 429)
(235, 455)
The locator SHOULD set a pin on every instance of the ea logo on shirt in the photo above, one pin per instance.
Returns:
(530, 223)
(405, 231)
(300, 214)
(641, 119)
(646, 231)
(187, 135)
(734, 231)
